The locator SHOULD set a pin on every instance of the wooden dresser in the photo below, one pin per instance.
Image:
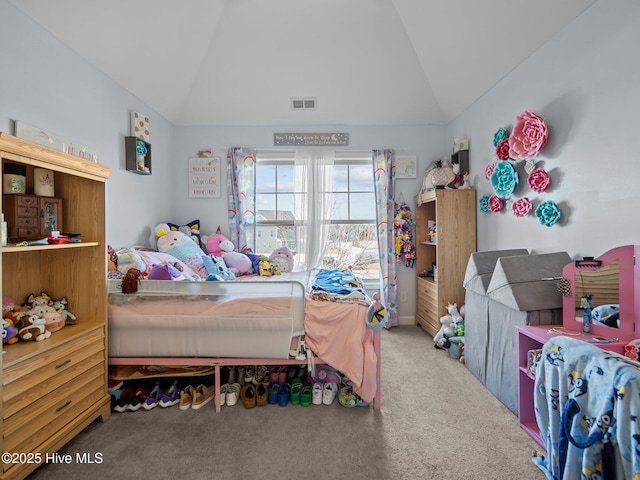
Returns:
(52, 389)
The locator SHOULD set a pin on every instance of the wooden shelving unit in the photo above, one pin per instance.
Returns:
(454, 212)
(54, 388)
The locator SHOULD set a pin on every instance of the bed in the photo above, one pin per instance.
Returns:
(251, 320)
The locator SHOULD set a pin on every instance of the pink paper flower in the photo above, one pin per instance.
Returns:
(528, 137)
(538, 180)
(522, 207)
(495, 203)
(488, 171)
(502, 150)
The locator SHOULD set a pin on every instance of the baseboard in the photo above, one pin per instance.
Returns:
(407, 320)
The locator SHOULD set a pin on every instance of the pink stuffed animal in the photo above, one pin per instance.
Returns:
(282, 259)
(218, 243)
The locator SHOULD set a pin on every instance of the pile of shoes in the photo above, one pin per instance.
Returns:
(133, 395)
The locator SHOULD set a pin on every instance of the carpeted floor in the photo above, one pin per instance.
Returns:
(436, 422)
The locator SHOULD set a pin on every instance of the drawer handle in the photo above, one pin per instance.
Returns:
(68, 360)
(68, 402)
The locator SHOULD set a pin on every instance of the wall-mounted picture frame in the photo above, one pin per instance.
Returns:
(204, 177)
(406, 166)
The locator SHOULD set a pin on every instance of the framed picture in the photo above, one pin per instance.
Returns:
(406, 166)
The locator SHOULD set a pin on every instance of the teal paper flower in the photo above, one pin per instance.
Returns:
(504, 179)
(500, 135)
(141, 148)
(484, 203)
(548, 213)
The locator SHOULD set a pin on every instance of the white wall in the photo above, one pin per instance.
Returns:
(44, 83)
(586, 84)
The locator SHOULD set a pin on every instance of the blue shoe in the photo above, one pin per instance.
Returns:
(283, 395)
(272, 399)
(152, 399)
(171, 397)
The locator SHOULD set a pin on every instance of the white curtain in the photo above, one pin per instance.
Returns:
(314, 205)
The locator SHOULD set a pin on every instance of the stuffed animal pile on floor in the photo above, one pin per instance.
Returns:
(450, 337)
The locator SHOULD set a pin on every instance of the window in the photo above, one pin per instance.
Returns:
(347, 229)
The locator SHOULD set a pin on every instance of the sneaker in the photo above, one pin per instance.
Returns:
(296, 390)
(248, 395)
(113, 385)
(223, 393)
(171, 397)
(306, 394)
(329, 393)
(283, 395)
(261, 375)
(202, 395)
(186, 397)
(138, 399)
(273, 393)
(249, 374)
(317, 393)
(123, 402)
(262, 394)
(151, 400)
(233, 393)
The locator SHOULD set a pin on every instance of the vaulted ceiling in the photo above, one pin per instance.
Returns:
(367, 62)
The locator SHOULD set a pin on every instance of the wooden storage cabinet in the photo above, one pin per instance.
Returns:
(454, 213)
(31, 216)
(54, 388)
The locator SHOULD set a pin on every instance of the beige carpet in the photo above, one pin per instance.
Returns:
(437, 422)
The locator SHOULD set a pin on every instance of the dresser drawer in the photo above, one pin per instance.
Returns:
(53, 366)
(31, 212)
(26, 201)
(27, 429)
(429, 323)
(27, 222)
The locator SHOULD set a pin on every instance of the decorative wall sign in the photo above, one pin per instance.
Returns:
(48, 139)
(311, 139)
(204, 177)
(406, 166)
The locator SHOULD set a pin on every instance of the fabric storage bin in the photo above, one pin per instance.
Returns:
(476, 306)
(522, 291)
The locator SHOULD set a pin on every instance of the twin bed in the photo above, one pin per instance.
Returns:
(252, 320)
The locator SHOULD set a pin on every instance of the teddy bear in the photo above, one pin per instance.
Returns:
(282, 259)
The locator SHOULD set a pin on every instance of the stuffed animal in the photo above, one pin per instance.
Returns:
(128, 260)
(217, 268)
(448, 322)
(60, 306)
(191, 230)
(164, 271)
(9, 332)
(282, 259)
(41, 307)
(177, 244)
(217, 243)
(10, 310)
(454, 346)
(378, 309)
(31, 327)
(265, 268)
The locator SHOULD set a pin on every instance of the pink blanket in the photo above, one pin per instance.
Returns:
(338, 334)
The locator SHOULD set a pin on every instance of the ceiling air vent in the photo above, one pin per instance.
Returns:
(308, 103)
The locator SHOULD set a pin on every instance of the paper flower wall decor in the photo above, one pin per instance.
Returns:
(488, 171)
(141, 148)
(528, 137)
(500, 135)
(548, 213)
(504, 179)
(484, 203)
(502, 150)
(538, 180)
(495, 203)
(522, 207)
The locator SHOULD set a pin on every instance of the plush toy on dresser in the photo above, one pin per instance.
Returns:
(31, 327)
(41, 306)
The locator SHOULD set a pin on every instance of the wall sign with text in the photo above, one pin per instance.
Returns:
(204, 177)
(311, 139)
